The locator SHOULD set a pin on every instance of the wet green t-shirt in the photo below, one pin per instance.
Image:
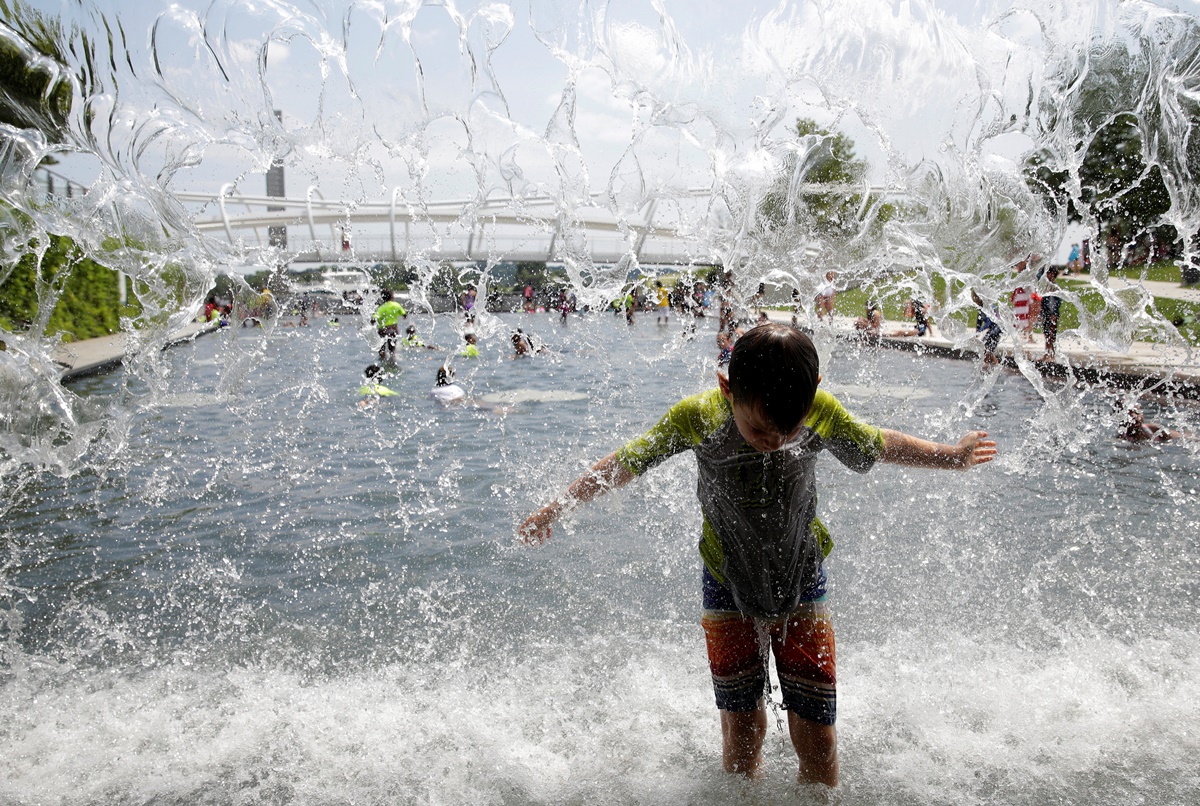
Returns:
(389, 313)
(761, 535)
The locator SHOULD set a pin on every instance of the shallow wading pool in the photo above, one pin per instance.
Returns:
(276, 595)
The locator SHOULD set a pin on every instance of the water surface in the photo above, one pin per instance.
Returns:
(275, 595)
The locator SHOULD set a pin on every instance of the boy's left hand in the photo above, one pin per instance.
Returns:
(975, 449)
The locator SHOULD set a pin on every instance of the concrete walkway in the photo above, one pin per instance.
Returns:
(1140, 365)
(89, 356)
(1156, 288)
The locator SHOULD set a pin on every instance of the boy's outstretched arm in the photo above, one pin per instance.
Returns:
(605, 475)
(904, 449)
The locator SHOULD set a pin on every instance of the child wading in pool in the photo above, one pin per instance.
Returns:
(756, 440)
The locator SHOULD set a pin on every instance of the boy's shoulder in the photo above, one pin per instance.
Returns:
(833, 423)
(823, 401)
(706, 399)
(706, 410)
(684, 426)
(826, 408)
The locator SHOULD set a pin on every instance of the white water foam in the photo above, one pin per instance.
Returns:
(923, 720)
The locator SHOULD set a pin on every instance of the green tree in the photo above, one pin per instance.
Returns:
(797, 209)
(1110, 141)
(824, 158)
(1116, 187)
(35, 92)
(444, 281)
(530, 272)
(392, 275)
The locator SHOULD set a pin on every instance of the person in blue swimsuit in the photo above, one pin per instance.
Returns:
(1051, 305)
(987, 329)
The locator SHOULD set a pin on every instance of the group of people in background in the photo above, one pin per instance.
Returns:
(1028, 307)
(696, 299)
(690, 298)
(387, 318)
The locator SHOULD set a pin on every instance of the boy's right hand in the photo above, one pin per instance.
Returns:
(536, 529)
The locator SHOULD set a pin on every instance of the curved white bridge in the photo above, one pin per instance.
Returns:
(274, 229)
(322, 231)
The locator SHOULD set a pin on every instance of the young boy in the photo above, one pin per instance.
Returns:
(446, 390)
(756, 440)
(412, 340)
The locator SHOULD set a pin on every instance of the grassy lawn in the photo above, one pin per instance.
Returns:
(1172, 310)
(1166, 272)
(852, 302)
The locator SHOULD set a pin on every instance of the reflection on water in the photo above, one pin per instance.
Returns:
(280, 595)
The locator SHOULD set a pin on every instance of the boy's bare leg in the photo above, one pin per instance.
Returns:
(816, 748)
(743, 733)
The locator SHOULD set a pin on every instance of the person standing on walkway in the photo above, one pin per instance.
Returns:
(825, 296)
(987, 329)
(1022, 302)
(1051, 303)
(1073, 264)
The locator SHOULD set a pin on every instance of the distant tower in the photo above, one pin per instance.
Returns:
(276, 235)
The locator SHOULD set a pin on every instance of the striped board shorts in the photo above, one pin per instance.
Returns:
(803, 645)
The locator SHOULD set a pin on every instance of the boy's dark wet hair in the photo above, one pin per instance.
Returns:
(386, 295)
(372, 370)
(775, 369)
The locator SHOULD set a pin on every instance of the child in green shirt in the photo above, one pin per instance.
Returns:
(756, 439)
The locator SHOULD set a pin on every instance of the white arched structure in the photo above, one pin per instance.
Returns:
(501, 229)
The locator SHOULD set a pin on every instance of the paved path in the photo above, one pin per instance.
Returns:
(1140, 365)
(1158, 289)
(1174, 370)
(89, 356)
